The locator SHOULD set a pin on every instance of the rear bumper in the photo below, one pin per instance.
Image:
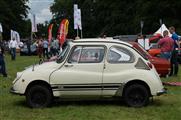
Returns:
(163, 91)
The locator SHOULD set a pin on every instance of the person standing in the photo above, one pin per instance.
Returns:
(174, 56)
(2, 62)
(166, 45)
(57, 46)
(52, 48)
(45, 49)
(13, 44)
(40, 48)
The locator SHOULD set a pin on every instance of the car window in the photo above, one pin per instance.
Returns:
(88, 54)
(63, 54)
(75, 55)
(119, 55)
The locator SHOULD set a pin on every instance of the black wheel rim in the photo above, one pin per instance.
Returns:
(38, 98)
(137, 97)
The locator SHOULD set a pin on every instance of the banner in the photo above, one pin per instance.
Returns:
(33, 24)
(15, 35)
(50, 32)
(75, 16)
(79, 22)
(12, 34)
(1, 28)
(63, 31)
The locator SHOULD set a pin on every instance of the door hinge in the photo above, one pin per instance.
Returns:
(104, 66)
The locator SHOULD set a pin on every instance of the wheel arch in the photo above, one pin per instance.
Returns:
(39, 82)
(140, 82)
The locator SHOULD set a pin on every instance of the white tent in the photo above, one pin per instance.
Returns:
(161, 29)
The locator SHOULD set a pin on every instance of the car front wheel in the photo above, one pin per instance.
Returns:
(136, 95)
(38, 96)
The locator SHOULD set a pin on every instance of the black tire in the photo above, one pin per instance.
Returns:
(38, 96)
(136, 95)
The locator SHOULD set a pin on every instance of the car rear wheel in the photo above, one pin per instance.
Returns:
(38, 96)
(136, 95)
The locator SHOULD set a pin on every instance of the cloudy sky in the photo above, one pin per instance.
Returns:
(41, 9)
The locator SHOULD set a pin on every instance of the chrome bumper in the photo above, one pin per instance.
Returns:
(163, 91)
(14, 91)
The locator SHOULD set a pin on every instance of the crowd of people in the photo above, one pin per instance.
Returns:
(45, 50)
(43, 46)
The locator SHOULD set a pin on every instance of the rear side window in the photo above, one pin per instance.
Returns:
(88, 54)
(119, 55)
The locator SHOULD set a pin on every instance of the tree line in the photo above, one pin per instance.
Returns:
(110, 17)
(117, 17)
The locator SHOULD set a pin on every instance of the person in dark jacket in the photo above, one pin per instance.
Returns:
(174, 56)
(2, 62)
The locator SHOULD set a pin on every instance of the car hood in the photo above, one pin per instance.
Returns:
(44, 66)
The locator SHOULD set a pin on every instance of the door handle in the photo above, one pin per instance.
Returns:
(68, 65)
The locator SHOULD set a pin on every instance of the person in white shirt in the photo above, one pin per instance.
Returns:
(13, 44)
(45, 48)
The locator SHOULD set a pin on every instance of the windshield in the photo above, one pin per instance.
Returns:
(63, 54)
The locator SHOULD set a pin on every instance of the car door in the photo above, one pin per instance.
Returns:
(82, 73)
(118, 67)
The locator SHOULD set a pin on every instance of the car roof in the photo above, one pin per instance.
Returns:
(102, 40)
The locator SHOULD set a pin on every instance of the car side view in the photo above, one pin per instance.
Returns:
(91, 68)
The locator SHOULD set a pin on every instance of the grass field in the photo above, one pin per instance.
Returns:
(13, 107)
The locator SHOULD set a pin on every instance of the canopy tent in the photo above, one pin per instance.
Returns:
(161, 30)
(159, 34)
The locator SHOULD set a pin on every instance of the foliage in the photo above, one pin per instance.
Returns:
(13, 15)
(119, 17)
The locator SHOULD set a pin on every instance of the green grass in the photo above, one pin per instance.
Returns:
(13, 107)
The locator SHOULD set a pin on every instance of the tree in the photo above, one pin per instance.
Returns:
(13, 15)
(119, 17)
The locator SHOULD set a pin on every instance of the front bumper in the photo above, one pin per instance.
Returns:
(163, 91)
(14, 91)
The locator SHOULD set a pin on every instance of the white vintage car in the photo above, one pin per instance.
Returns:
(91, 68)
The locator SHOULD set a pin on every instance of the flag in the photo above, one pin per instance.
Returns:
(75, 16)
(63, 31)
(15, 35)
(12, 34)
(50, 32)
(79, 22)
(66, 27)
(1, 28)
(33, 24)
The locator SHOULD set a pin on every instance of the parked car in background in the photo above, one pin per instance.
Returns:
(162, 65)
(94, 69)
(24, 50)
(156, 52)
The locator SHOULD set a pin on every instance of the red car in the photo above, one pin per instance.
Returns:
(155, 52)
(162, 65)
